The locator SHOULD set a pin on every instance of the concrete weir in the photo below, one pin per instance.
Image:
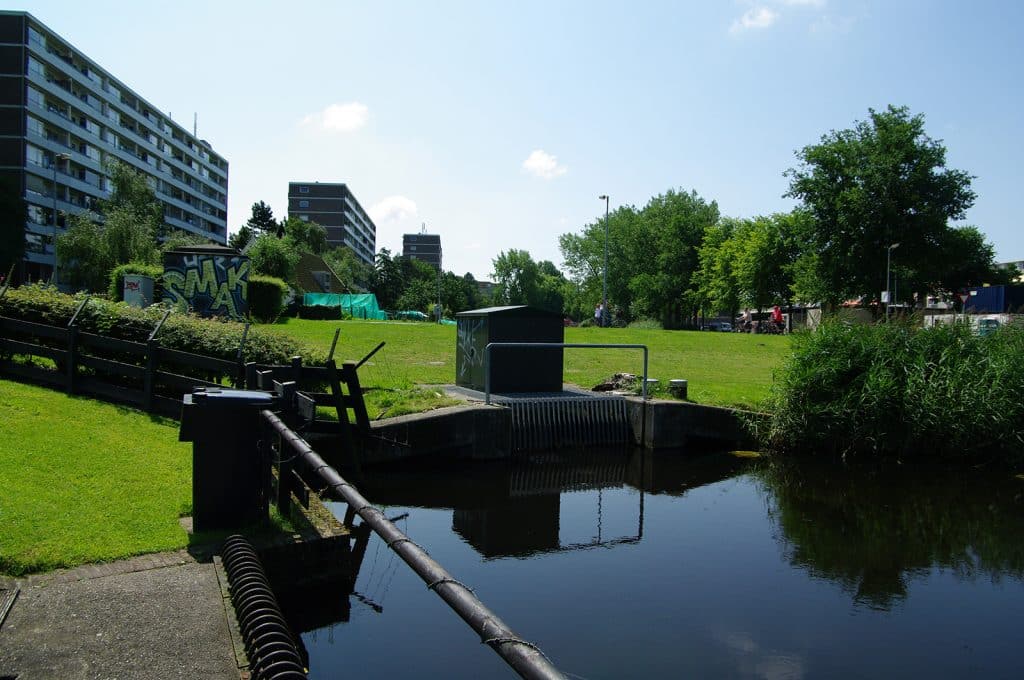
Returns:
(515, 423)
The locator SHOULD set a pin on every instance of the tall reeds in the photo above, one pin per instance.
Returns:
(899, 390)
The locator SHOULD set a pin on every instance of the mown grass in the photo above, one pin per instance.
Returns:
(728, 369)
(84, 481)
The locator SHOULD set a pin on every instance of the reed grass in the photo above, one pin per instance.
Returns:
(899, 390)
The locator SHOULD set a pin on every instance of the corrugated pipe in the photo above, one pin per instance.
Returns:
(269, 644)
(524, 657)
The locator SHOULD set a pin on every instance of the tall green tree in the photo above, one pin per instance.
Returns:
(241, 238)
(273, 256)
(517, 276)
(125, 232)
(884, 181)
(354, 273)
(262, 220)
(387, 280)
(307, 236)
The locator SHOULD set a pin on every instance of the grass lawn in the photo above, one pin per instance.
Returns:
(84, 481)
(728, 369)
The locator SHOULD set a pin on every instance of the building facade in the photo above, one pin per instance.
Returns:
(64, 119)
(422, 246)
(335, 208)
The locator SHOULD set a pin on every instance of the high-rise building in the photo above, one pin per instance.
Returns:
(335, 208)
(423, 246)
(63, 119)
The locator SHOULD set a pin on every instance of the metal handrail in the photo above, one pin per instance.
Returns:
(553, 345)
(524, 657)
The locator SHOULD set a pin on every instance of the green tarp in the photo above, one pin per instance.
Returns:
(361, 306)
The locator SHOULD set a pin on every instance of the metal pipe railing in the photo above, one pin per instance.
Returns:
(524, 657)
(553, 345)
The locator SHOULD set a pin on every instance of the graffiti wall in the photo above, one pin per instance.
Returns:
(209, 284)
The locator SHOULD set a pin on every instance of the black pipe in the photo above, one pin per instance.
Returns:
(525, 658)
(271, 648)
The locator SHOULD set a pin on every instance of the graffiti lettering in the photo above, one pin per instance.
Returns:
(208, 284)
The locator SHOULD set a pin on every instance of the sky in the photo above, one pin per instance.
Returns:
(498, 125)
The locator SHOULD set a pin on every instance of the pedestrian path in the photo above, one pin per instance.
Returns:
(153, 616)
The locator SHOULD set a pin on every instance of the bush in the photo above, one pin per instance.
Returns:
(897, 390)
(266, 297)
(210, 337)
(646, 325)
(320, 312)
(116, 289)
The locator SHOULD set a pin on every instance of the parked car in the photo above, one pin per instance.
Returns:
(723, 326)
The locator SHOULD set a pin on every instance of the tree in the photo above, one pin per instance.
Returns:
(306, 236)
(262, 220)
(126, 232)
(882, 182)
(353, 272)
(387, 281)
(517, 276)
(240, 239)
(273, 256)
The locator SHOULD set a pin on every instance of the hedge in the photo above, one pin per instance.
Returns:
(41, 303)
(266, 297)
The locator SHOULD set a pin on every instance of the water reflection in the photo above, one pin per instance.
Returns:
(875, 530)
(514, 508)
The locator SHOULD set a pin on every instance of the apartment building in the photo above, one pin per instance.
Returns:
(423, 246)
(334, 207)
(63, 119)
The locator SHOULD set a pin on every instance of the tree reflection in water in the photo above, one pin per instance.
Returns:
(873, 530)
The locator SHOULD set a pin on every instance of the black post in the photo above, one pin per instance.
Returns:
(152, 361)
(72, 358)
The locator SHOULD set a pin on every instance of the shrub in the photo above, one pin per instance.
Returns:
(897, 390)
(646, 325)
(320, 312)
(188, 333)
(116, 289)
(266, 297)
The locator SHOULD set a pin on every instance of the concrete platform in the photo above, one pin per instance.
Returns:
(155, 616)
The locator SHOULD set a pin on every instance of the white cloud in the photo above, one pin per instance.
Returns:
(754, 18)
(339, 117)
(544, 165)
(392, 209)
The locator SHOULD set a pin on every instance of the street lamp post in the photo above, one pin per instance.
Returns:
(57, 158)
(888, 292)
(604, 285)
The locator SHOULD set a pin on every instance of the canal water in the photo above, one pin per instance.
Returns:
(667, 566)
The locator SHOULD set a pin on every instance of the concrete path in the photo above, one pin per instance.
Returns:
(155, 616)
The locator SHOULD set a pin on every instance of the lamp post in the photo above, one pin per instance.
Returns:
(57, 158)
(604, 285)
(888, 293)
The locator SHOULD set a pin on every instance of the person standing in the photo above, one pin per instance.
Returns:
(599, 314)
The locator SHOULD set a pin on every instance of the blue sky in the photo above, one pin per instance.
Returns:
(499, 124)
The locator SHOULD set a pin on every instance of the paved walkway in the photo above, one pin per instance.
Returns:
(155, 616)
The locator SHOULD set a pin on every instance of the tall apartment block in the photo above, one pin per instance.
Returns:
(335, 208)
(63, 119)
(423, 246)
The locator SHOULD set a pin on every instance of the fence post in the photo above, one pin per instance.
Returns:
(72, 358)
(355, 393)
(152, 361)
(340, 406)
(250, 376)
(297, 370)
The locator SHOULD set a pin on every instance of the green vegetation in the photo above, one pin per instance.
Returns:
(732, 369)
(266, 297)
(897, 390)
(211, 337)
(85, 481)
(873, 529)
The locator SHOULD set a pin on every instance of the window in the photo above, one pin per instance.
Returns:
(303, 190)
(303, 204)
(304, 218)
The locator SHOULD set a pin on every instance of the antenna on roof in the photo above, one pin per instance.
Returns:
(195, 124)
(423, 228)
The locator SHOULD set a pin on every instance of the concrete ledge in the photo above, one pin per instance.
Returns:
(667, 424)
(474, 431)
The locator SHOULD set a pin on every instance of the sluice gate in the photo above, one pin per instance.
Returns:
(549, 422)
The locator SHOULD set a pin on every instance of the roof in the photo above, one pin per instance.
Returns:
(511, 310)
